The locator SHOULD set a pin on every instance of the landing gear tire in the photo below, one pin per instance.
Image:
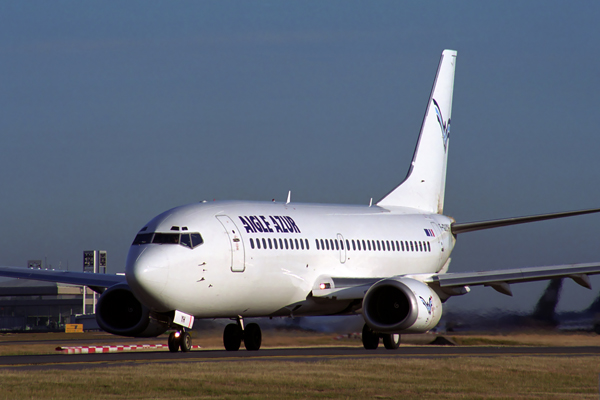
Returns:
(232, 337)
(173, 342)
(370, 338)
(391, 341)
(252, 337)
(185, 342)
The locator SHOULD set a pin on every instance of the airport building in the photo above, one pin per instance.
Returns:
(27, 305)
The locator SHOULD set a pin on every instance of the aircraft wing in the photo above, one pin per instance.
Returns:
(501, 279)
(95, 281)
(458, 283)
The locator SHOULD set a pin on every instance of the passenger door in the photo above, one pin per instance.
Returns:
(238, 259)
(342, 248)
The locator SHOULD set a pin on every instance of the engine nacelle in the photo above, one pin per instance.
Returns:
(120, 313)
(401, 305)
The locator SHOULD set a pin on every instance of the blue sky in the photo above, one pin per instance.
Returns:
(113, 112)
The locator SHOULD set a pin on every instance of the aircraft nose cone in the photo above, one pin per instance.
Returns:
(147, 273)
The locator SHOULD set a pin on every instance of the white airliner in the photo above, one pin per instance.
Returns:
(241, 259)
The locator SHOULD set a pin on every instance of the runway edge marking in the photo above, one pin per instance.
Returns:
(113, 349)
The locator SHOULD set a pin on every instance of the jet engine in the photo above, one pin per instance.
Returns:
(120, 313)
(401, 305)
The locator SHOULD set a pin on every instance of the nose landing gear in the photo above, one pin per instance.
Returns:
(235, 333)
(180, 340)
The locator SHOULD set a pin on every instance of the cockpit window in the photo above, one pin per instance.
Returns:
(196, 239)
(143, 238)
(185, 240)
(166, 238)
(189, 240)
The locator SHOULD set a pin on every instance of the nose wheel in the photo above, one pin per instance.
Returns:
(234, 334)
(180, 340)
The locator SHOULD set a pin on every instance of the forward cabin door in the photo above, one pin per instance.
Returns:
(238, 259)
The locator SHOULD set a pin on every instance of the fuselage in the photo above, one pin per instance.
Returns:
(250, 259)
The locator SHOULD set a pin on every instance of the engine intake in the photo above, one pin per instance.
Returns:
(120, 313)
(401, 305)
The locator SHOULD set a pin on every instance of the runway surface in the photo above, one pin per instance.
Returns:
(82, 361)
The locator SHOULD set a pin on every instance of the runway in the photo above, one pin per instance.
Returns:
(307, 354)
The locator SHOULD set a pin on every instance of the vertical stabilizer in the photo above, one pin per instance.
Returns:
(423, 188)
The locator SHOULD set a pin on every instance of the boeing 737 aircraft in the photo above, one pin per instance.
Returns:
(241, 259)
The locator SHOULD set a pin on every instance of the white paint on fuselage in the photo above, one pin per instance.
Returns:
(200, 281)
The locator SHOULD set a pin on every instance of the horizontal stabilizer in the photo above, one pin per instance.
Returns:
(496, 223)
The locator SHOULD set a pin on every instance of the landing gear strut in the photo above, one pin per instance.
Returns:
(180, 340)
(370, 339)
(235, 333)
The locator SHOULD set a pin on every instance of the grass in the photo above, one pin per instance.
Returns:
(381, 378)
(505, 377)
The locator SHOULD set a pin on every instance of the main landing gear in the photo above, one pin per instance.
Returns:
(180, 340)
(235, 333)
(370, 339)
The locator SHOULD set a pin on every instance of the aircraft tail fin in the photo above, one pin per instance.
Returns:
(424, 186)
(545, 308)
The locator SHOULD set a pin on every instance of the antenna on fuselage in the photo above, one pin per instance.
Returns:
(371, 202)
(289, 197)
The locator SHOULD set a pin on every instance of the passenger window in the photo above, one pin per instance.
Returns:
(353, 245)
(411, 246)
(402, 243)
(185, 240)
(393, 246)
(387, 242)
(347, 244)
(428, 247)
(281, 244)
(364, 246)
(331, 242)
(258, 243)
(317, 243)
(337, 245)
(369, 243)
(264, 243)
(307, 247)
(286, 243)
(322, 245)
(420, 246)
(301, 244)
(275, 243)
(270, 244)
(378, 245)
(251, 243)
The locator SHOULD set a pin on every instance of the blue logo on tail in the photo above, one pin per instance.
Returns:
(444, 125)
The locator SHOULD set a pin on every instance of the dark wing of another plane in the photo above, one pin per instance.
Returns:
(97, 282)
